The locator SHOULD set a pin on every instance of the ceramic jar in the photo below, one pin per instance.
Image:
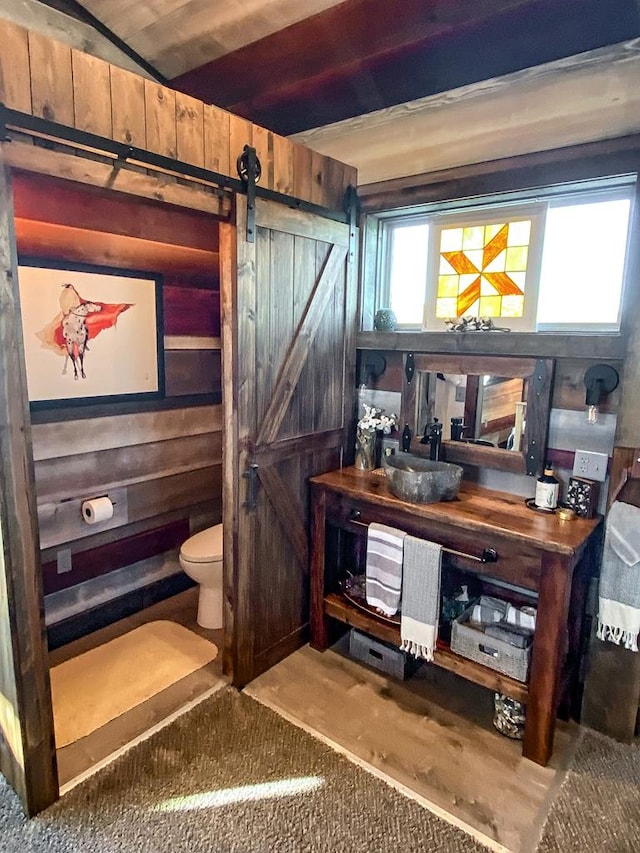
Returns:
(385, 320)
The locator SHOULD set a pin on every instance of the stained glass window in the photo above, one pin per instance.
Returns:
(553, 262)
(482, 270)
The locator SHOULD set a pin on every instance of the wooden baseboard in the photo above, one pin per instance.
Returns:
(112, 611)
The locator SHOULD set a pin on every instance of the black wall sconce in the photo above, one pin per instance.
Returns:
(599, 380)
(372, 365)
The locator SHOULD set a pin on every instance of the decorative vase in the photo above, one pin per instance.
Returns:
(366, 449)
(385, 320)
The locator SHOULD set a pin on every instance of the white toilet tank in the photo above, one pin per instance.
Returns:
(204, 547)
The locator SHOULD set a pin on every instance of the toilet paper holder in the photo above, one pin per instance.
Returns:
(97, 509)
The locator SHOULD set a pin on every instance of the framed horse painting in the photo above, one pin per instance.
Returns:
(91, 334)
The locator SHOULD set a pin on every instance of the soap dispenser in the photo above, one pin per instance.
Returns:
(547, 488)
(406, 438)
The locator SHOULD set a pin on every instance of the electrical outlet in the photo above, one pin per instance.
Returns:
(590, 465)
(64, 561)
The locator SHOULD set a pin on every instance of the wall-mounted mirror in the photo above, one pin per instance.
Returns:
(494, 409)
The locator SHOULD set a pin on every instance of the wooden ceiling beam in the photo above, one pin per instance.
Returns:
(364, 55)
(336, 42)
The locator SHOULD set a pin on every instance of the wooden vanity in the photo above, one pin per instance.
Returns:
(536, 552)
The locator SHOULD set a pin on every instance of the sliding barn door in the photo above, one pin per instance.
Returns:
(289, 352)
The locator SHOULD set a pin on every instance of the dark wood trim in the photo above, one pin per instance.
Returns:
(76, 413)
(532, 458)
(236, 270)
(61, 633)
(617, 156)
(288, 447)
(94, 562)
(533, 344)
(561, 458)
(630, 306)
(548, 651)
(27, 746)
(471, 454)
(282, 649)
(318, 618)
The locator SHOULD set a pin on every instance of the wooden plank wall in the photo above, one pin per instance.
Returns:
(161, 467)
(51, 80)
(27, 749)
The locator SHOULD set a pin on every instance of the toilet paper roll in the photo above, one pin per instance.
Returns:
(96, 510)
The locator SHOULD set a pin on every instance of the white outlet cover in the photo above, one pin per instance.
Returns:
(590, 465)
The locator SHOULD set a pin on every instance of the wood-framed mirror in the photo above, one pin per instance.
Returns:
(500, 403)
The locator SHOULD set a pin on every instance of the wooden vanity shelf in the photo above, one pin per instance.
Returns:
(338, 606)
(537, 553)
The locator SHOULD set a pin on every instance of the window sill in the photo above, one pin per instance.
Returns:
(533, 344)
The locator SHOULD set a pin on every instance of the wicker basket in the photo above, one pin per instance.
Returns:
(489, 651)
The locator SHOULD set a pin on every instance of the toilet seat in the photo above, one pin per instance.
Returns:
(203, 547)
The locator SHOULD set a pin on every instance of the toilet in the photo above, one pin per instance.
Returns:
(201, 559)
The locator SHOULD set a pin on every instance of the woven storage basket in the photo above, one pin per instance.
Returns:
(496, 654)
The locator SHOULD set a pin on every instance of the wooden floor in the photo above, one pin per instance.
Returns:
(80, 757)
(431, 735)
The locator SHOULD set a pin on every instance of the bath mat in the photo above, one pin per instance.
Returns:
(101, 684)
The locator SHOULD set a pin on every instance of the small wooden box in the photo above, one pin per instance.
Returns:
(582, 496)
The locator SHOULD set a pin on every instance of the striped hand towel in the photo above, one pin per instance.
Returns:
(384, 567)
(420, 597)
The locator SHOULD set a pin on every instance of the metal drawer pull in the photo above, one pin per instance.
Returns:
(489, 555)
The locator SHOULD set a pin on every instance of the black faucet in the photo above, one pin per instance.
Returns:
(433, 436)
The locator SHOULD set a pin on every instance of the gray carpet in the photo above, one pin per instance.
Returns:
(598, 805)
(230, 775)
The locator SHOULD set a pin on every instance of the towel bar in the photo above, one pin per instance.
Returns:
(489, 555)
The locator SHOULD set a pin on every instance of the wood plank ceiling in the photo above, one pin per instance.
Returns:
(291, 65)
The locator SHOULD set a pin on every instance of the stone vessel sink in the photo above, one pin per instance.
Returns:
(421, 481)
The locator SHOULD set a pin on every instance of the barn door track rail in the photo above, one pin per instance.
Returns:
(248, 163)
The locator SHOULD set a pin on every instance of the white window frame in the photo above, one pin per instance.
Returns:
(466, 211)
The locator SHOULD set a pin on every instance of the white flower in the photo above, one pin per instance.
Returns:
(373, 419)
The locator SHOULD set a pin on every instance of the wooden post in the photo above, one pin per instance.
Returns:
(548, 653)
(319, 625)
(27, 748)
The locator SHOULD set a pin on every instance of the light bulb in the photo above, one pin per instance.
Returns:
(592, 414)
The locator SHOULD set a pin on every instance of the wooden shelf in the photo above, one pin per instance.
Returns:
(534, 344)
(337, 606)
